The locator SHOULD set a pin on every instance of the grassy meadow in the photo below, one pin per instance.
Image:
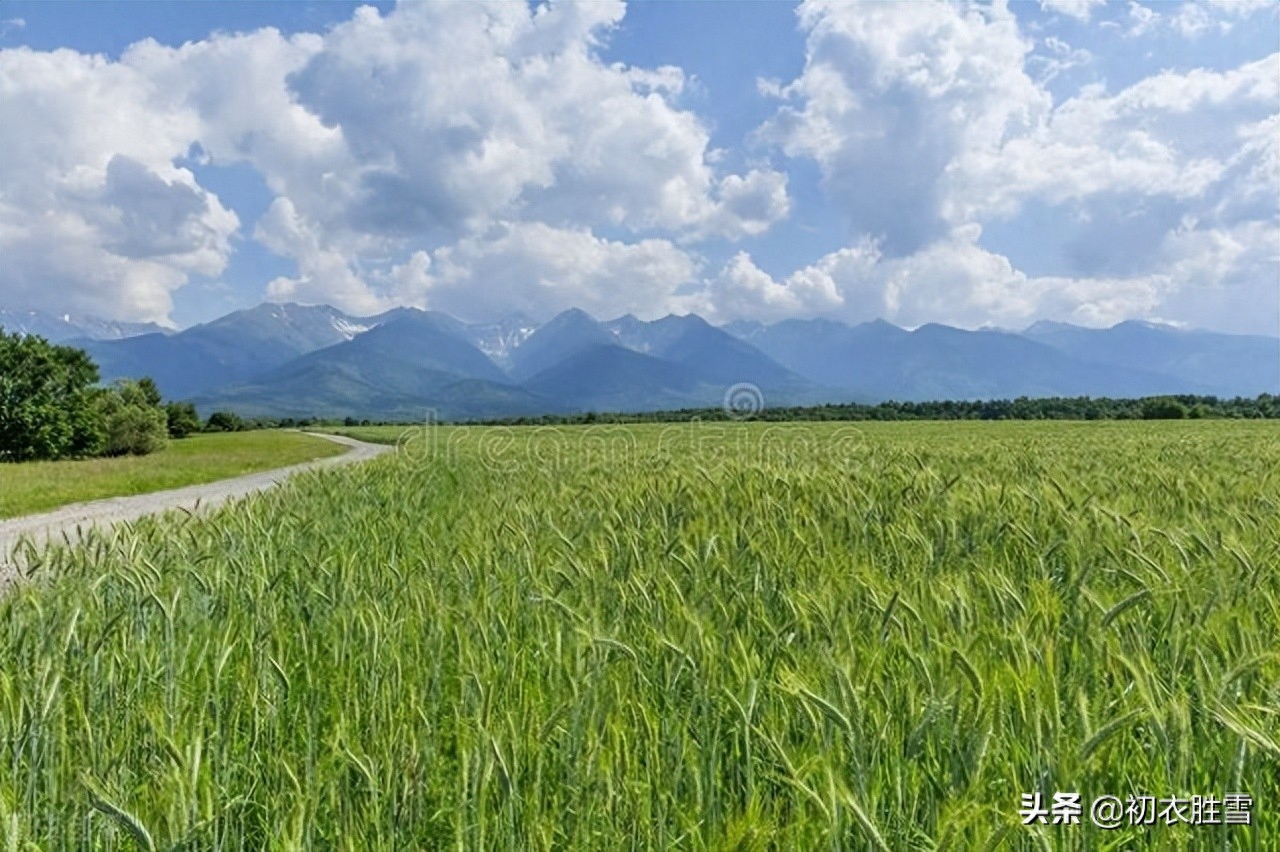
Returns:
(699, 636)
(31, 487)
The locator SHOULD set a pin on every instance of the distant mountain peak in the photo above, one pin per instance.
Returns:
(572, 315)
(1151, 325)
(683, 319)
(937, 328)
(567, 334)
(1050, 326)
(879, 322)
(60, 328)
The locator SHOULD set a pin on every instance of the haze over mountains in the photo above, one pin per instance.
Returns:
(59, 328)
(294, 361)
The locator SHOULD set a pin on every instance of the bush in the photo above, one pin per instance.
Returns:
(224, 421)
(1163, 408)
(133, 425)
(183, 419)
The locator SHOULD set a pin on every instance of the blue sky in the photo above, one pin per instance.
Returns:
(968, 164)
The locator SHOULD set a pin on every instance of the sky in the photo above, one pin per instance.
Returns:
(969, 164)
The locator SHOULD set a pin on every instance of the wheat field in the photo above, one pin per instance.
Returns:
(693, 636)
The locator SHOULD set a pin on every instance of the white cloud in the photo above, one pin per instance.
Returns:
(1197, 143)
(234, 87)
(1141, 19)
(1242, 8)
(1056, 58)
(1223, 277)
(891, 94)
(953, 280)
(482, 158)
(389, 134)
(540, 270)
(1197, 277)
(1194, 19)
(1081, 10)
(326, 273)
(462, 114)
(749, 205)
(926, 126)
(457, 118)
(744, 291)
(94, 214)
(528, 267)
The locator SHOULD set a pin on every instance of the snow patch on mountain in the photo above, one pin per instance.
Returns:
(499, 339)
(349, 329)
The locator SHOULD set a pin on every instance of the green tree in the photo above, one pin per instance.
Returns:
(134, 424)
(224, 421)
(147, 385)
(183, 419)
(47, 398)
(1163, 408)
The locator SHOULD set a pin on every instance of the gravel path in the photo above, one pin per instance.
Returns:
(75, 519)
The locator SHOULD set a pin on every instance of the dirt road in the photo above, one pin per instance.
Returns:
(75, 519)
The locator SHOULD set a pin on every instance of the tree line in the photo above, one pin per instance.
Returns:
(1175, 407)
(52, 407)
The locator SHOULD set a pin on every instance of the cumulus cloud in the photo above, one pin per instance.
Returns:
(743, 290)
(1118, 172)
(326, 271)
(234, 88)
(463, 114)
(512, 266)
(94, 213)
(458, 118)
(926, 126)
(1196, 276)
(482, 158)
(539, 270)
(954, 280)
(891, 94)
(416, 130)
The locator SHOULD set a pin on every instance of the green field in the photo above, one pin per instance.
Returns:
(715, 636)
(31, 487)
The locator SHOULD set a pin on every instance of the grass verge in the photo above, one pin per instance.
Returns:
(32, 487)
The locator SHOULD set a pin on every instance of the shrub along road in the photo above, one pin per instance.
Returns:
(73, 521)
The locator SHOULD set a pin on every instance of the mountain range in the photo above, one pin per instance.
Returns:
(59, 328)
(293, 361)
